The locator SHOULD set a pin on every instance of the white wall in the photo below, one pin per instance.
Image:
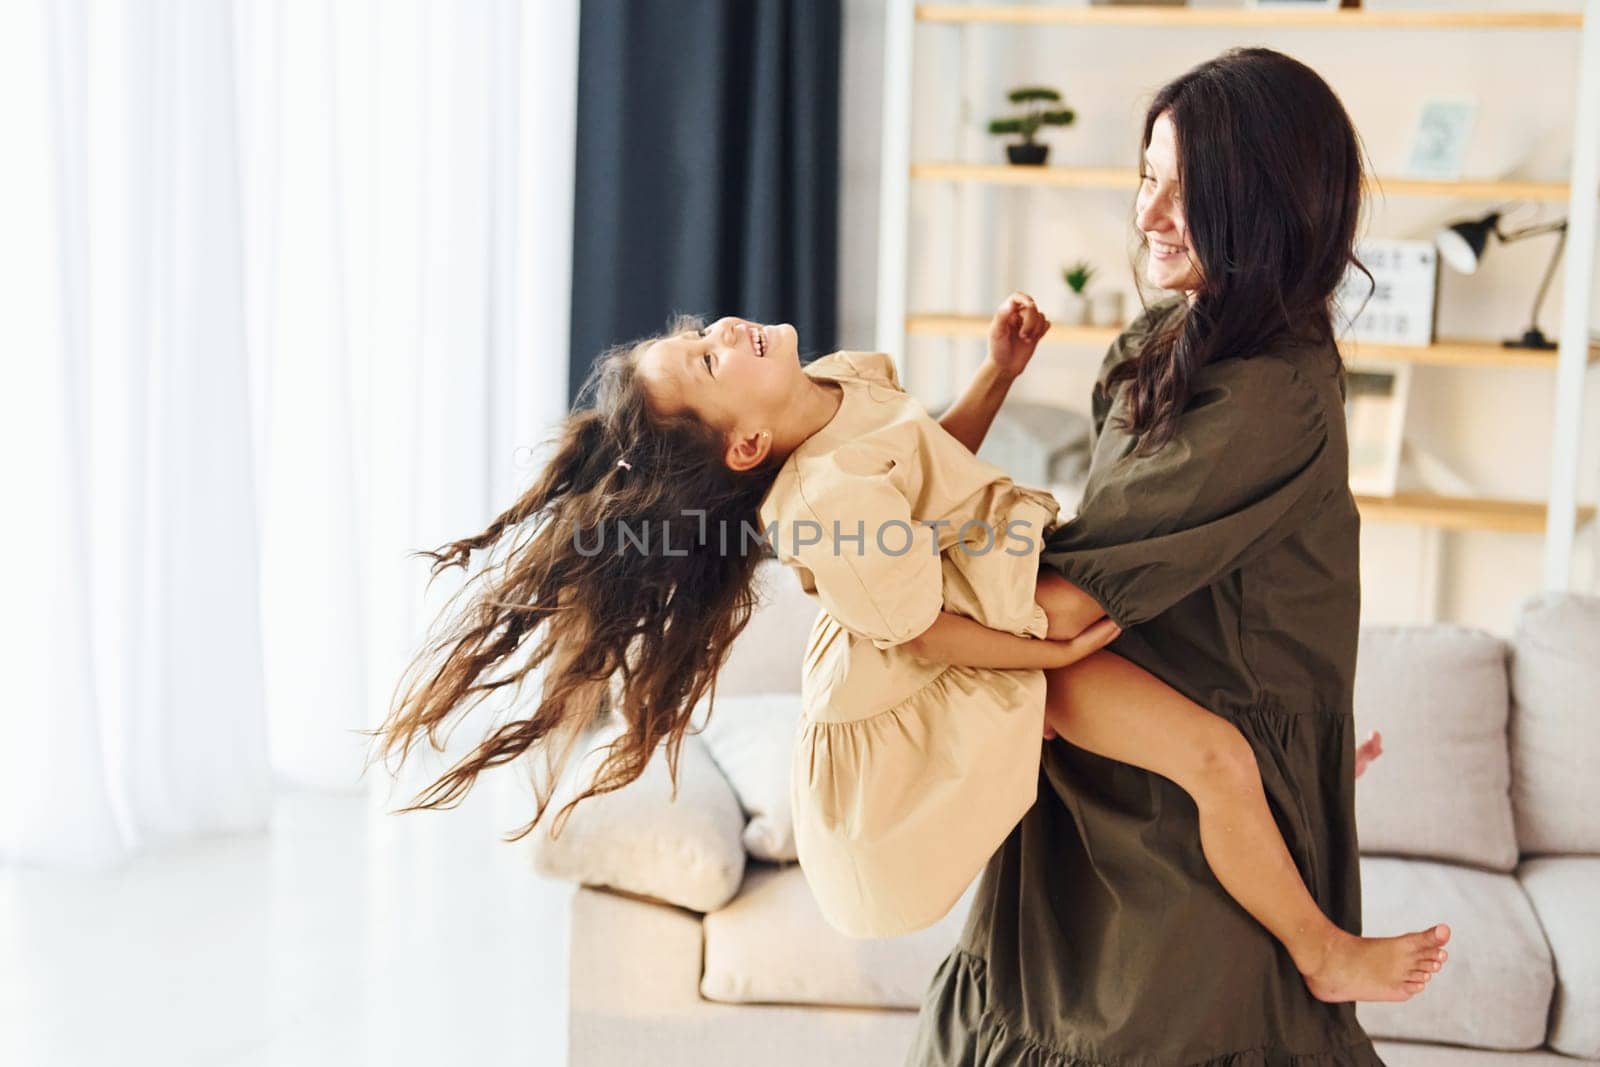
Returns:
(970, 246)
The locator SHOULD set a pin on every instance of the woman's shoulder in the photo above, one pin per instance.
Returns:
(1153, 315)
(1151, 318)
(1271, 396)
(1283, 376)
(1263, 380)
(1127, 344)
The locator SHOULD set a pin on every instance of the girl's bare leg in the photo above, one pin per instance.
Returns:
(1110, 707)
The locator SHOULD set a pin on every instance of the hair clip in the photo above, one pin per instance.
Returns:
(625, 465)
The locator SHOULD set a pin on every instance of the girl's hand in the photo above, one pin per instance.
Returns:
(1014, 333)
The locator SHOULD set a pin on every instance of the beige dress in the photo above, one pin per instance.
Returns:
(907, 774)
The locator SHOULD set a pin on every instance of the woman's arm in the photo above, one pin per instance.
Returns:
(963, 642)
(1160, 527)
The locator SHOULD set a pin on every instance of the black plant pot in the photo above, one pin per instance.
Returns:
(1031, 155)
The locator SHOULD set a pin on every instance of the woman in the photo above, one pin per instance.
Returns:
(1218, 531)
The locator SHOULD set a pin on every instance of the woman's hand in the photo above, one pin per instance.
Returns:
(1014, 333)
(964, 642)
(1070, 651)
(1064, 653)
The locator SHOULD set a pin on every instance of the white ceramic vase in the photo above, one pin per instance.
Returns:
(1075, 310)
(1106, 308)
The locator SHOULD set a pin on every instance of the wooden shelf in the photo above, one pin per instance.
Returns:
(1455, 353)
(1459, 353)
(1128, 178)
(1471, 189)
(1462, 513)
(1252, 18)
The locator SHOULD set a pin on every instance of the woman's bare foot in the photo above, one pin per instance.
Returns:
(1367, 751)
(1376, 968)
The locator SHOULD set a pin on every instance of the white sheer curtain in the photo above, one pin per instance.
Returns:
(287, 289)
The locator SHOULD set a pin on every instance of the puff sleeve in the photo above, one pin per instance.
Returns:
(851, 534)
(1246, 465)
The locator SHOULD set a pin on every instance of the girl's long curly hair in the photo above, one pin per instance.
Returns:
(1271, 169)
(617, 617)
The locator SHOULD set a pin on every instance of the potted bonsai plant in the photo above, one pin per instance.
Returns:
(1035, 114)
(1077, 278)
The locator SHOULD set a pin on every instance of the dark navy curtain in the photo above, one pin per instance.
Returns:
(707, 168)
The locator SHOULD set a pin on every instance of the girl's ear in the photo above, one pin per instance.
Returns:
(749, 450)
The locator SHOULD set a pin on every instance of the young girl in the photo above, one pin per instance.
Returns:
(940, 656)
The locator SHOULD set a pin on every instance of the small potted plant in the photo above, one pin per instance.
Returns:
(1035, 114)
(1077, 278)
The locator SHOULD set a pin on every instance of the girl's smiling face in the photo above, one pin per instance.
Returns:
(730, 368)
(1172, 262)
(741, 378)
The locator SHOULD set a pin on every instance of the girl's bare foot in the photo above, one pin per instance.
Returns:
(1375, 968)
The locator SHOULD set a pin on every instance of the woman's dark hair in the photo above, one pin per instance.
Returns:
(648, 628)
(1271, 172)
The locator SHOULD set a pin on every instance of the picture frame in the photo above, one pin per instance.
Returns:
(1399, 305)
(1442, 135)
(1376, 394)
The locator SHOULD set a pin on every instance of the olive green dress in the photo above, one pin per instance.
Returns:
(1098, 934)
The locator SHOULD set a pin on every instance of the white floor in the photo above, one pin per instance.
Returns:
(343, 936)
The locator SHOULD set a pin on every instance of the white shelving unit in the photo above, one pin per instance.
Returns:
(1559, 517)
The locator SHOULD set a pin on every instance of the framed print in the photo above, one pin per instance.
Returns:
(1397, 306)
(1375, 415)
(1444, 127)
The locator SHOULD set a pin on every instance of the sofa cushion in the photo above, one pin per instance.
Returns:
(1441, 789)
(767, 655)
(751, 738)
(1555, 724)
(772, 945)
(1495, 988)
(1565, 891)
(686, 850)
(635, 1002)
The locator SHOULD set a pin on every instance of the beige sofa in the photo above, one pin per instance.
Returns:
(694, 940)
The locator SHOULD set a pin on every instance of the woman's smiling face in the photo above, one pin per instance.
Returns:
(1172, 263)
